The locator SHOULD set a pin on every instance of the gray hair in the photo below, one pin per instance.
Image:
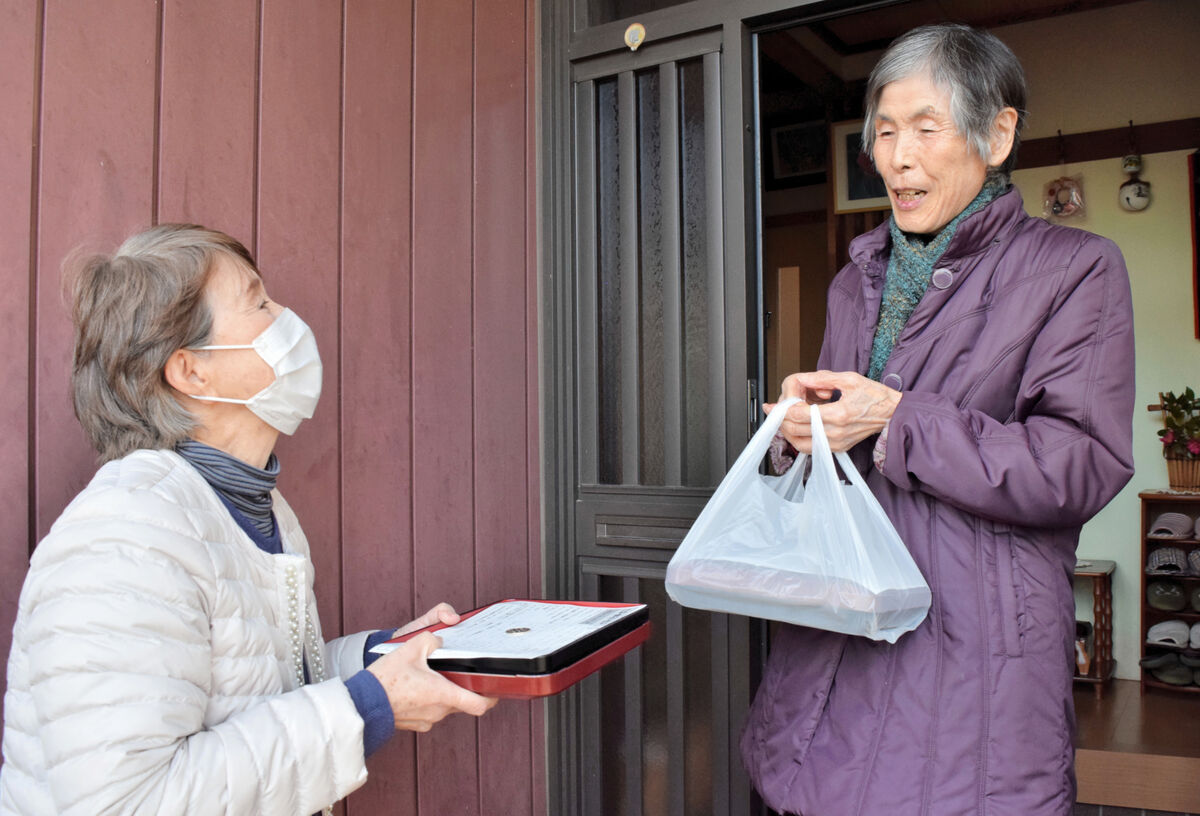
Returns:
(132, 311)
(981, 73)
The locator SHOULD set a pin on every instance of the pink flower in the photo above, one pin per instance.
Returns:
(1193, 447)
(1168, 437)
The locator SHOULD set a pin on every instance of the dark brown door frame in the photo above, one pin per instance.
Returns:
(564, 42)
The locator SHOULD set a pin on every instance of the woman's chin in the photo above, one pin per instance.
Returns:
(908, 221)
(917, 221)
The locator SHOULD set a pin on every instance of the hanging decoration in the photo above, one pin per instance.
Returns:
(1063, 197)
(1134, 194)
(635, 35)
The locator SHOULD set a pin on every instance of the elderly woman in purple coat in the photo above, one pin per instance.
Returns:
(979, 362)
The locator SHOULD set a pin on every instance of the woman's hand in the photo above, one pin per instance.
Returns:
(421, 697)
(862, 410)
(442, 613)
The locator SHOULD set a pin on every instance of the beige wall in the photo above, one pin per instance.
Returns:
(1094, 71)
(796, 299)
(1156, 245)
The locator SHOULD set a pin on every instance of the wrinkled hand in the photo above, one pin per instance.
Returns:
(421, 697)
(862, 410)
(442, 613)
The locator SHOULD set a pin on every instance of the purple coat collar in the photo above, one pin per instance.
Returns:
(869, 251)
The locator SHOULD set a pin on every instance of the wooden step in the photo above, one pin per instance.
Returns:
(1138, 750)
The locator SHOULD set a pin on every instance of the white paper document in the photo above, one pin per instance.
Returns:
(521, 629)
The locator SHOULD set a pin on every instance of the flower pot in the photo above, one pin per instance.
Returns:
(1183, 474)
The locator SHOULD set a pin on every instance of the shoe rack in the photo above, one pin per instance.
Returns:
(1154, 504)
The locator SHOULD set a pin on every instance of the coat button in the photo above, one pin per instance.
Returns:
(942, 278)
(894, 381)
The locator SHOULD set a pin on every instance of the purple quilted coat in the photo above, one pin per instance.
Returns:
(1014, 429)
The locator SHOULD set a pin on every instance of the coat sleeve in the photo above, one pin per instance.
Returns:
(1067, 447)
(118, 644)
(345, 654)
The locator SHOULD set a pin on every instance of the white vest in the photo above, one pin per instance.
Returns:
(156, 661)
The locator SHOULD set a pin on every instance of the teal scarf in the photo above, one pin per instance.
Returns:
(909, 270)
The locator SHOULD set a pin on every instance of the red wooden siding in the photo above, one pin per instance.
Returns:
(19, 26)
(377, 215)
(377, 156)
(500, 243)
(443, 437)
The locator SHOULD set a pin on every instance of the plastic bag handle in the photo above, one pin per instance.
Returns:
(751, 455)
(824, 479)
(758, 445)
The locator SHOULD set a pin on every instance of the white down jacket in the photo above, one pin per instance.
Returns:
(155, 664)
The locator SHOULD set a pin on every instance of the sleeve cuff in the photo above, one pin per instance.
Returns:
(879, 454)
(373, 640)
(373, 706)
(782, 455)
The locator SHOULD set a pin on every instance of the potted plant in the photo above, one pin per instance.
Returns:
(1180, 436)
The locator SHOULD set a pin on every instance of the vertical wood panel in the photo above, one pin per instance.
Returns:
(591, 780)
(376, 354)
(723, 747)
(676, 710)
(297, 244)
(500, 303)
(207, 115)
(96, 188)
(19, 36)
(443, 443)
(631, 736)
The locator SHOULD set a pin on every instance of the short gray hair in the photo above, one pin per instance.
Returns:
(132, 310)
(981, 73)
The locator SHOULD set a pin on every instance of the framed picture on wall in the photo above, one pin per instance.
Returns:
(1194, 189)
(856, 185)
(798, 154)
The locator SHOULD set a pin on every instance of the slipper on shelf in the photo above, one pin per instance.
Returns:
(1167, 561)
(1159, 661)
(1170, 633)
(1177, 675)
(1172, 525)
(1167, 596)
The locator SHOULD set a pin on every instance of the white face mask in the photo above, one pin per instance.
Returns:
(290, 349)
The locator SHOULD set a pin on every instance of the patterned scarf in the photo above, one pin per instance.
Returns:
(909, 270)
(243, 485)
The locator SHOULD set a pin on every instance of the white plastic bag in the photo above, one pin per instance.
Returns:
(821, 554)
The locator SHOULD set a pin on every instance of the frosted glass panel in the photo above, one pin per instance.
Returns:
(608, 245)
(657, 366)
(651, 228)
(660, 758)
(693, 165)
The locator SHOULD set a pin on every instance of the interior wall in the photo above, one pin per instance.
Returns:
(793, 339)
(377, 157)
(1156, 244)
(1093, 71)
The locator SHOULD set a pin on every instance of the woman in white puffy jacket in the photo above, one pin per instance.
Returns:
(167, 657)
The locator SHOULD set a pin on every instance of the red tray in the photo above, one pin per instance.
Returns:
(528, 686)
(567, 665)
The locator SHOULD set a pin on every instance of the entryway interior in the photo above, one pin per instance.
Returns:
(1138, 751)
